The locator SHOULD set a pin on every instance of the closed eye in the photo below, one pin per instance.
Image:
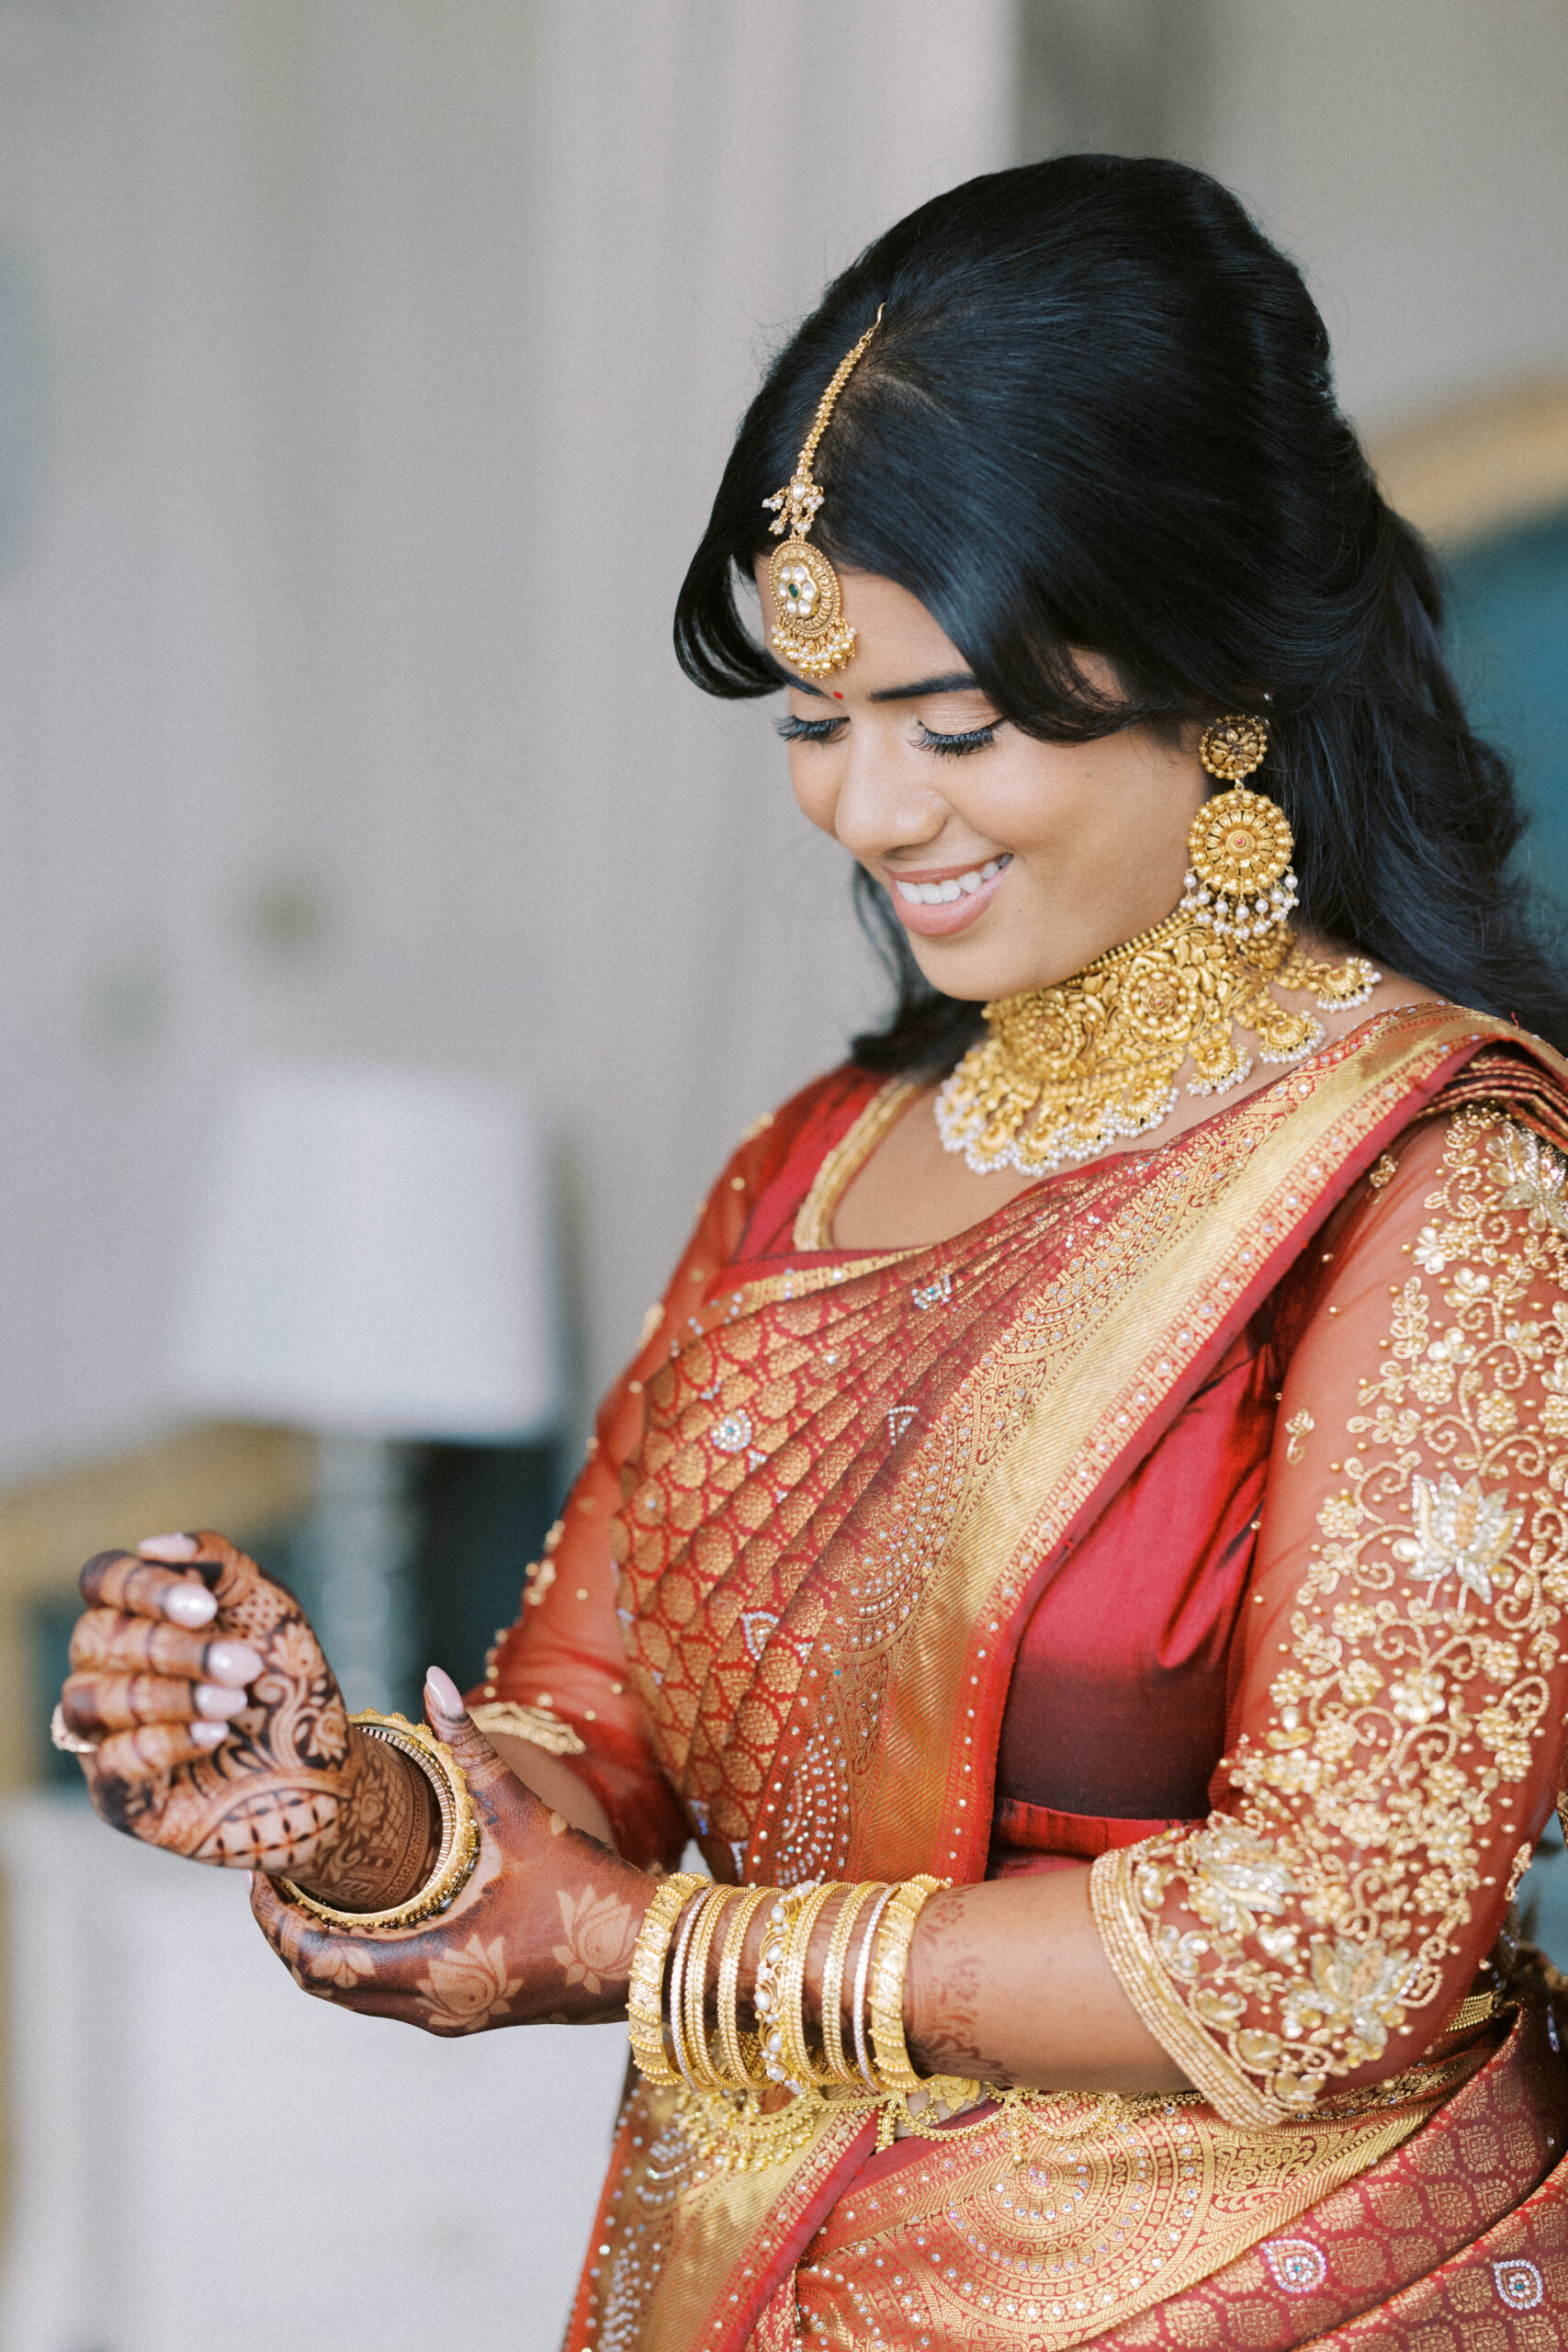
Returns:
(974, 738)
(809, 730)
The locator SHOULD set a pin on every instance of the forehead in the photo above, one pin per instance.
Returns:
(897, 639)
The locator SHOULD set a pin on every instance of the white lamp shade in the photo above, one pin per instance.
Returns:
(369, 1253)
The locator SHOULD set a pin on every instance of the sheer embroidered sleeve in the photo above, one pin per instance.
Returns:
(1394, 1737)
(557, 1676)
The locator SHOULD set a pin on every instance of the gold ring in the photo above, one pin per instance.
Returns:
(69, 1743)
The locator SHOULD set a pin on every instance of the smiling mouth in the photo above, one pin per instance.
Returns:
(956, 886)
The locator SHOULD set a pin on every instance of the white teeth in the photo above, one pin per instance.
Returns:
(957, 885)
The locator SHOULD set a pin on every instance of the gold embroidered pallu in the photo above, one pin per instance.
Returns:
(856, 1479)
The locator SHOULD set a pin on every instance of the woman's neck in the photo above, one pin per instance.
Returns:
(911, 1192)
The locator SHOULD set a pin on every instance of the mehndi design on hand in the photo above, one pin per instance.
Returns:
(543, 1930)
(271, 1776)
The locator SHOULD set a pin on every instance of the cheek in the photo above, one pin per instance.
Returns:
(1039, 798)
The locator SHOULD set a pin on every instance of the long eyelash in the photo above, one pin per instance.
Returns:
(807, 730)
(952, 747)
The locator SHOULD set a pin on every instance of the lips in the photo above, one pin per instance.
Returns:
(967, 892)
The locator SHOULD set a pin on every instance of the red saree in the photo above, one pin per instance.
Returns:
(843, 1612)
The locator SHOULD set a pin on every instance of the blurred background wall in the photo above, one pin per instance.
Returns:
(365, 369)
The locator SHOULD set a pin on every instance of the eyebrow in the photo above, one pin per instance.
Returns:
(953, 682)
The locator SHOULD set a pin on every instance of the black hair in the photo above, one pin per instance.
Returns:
(1099, 414)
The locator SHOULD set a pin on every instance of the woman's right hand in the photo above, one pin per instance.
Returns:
(221, 1732)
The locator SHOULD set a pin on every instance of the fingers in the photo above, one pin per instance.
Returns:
(93, 1702)
(252, 1603)
(451, 1722)
(120, 1580)
(372, 1977)
(111, 1640)
(154, 1749)
(232, 1575)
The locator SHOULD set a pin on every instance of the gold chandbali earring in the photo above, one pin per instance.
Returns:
(811, 633)
(1067, 1071)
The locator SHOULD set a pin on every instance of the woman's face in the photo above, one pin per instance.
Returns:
(1050, 853)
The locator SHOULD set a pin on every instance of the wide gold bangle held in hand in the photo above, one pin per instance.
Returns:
(459, 1833)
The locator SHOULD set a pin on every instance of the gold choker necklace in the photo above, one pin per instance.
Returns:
(1066, 1071)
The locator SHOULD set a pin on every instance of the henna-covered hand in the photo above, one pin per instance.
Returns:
(543, 1932)
(224, 1734)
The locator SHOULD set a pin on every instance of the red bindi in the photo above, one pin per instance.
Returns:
(837, 695)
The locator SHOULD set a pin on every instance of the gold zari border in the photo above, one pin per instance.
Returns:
(1124, 1934)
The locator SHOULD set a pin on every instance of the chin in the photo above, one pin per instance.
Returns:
(977, 977)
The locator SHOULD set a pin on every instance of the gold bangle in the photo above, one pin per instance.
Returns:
(703, 2072)
(768, 1994)
(863, 1975)
(675, 2000)
(839, 2069)
(644, 1992)
(887, 1983)
(738, 2067)
(459, 1846)
(798, 2061)
(69, 1743)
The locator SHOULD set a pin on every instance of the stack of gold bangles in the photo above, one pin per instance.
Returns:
(725, 2082)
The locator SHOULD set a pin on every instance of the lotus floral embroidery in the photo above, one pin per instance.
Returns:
(1460, 1532)
(466, 1989)
(1533, 1177)
(600, 1936)
(1414, 1667)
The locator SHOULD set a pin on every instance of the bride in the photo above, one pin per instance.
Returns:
(1081, 1547)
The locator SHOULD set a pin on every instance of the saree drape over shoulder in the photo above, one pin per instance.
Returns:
(1200, 1513)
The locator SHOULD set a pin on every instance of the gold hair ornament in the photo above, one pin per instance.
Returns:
(1066, 1071)
(810, 633)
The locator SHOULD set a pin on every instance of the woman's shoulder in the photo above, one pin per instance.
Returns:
(1477, 1179)
(824, 1107)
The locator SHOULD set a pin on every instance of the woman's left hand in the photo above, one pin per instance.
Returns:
(543, 1932)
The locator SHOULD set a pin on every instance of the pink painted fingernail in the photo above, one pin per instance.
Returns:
(167, 1547)
(232, 1662)
(446, 1697)
(188, 1604)
(208, 1735)
(213, 1699)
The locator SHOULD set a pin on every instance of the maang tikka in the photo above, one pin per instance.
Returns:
(1067, 1071)
(811, 633)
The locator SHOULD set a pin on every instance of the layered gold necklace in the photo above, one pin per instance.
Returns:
(1068, 1071)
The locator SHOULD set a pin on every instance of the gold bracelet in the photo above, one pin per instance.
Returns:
(675, 1999)
(459, 1846)
(887, 1983)
(737, 2068)
(798, 2060)
(862, 1974)
(839, 2069)
(644, 1992)
(703, 2072)
(768, 1994)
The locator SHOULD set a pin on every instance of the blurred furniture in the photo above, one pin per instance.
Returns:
(369, 1260)
(208, 2153)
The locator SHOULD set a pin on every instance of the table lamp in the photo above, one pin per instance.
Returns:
(369, 1260)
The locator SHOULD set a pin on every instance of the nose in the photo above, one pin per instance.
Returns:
(881, 807)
